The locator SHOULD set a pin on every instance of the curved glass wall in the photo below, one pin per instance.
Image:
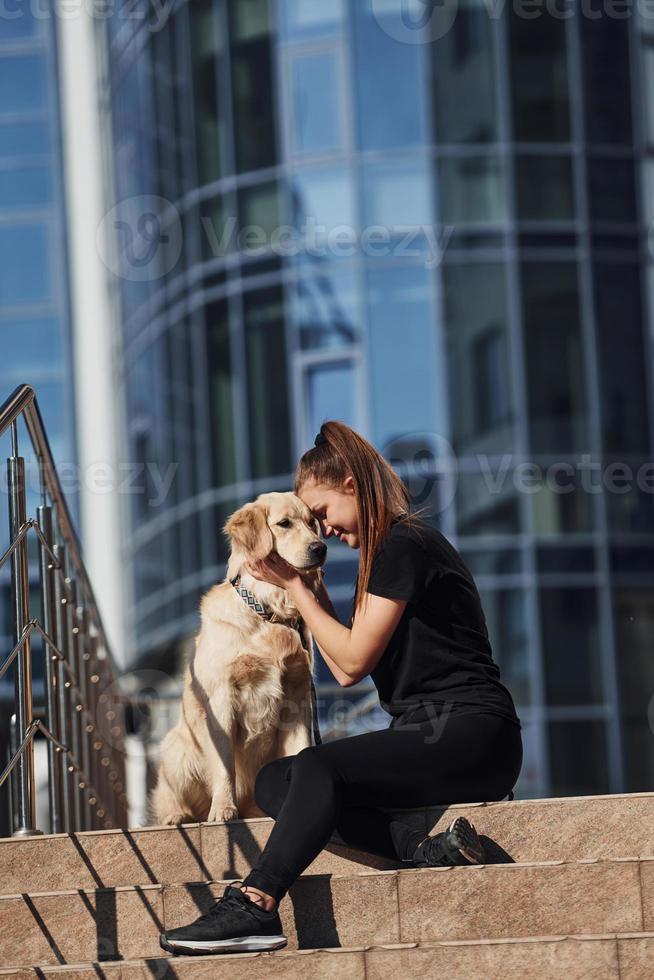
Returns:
(436, 242)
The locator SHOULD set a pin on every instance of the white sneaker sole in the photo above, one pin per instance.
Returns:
(245, 944)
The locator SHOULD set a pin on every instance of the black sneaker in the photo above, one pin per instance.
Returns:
(458, 845)
(233, 924)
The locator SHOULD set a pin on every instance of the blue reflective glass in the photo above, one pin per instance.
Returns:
(330, 394)
(308, 18)
(326, 310)
(30, 346)
(27, 186)
(24, 139)
(316, 104)
(398, 194)
(321, 201)
(403, 356)
(390, 81)
(23, 83)
(17, 21)
(24, 264)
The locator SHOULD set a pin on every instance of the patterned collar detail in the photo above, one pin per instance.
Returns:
(251, 600)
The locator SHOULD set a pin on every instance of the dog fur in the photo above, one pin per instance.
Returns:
(247, 688)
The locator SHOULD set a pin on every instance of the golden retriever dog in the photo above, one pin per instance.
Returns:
(247, 688)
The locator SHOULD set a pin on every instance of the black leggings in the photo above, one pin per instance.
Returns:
(425, 757)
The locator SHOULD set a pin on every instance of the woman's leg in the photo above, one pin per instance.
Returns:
(341, 784)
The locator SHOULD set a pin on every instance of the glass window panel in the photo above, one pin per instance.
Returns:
(219, 370)
(630, 506)
(571, 652)
(30, 185)
(647, 61)
(634, 625)
(406, 369)
(607, 73)
(464, 77)
(17, 21)
(316, 101)
(486, 504)
(330, 394)
(218, 230)
(24, 264)
(564, 560)
(612, 190)
(544, 188)
(268, 387)
(204, 52)
(554, 356)
(306, 18)
(252, 85)
(505, 614)
(390, 84)
(258, 209)
(622, 353)
(539, 77)
(480, 379)
(471, 190)
(322, 201)
(24, 139)
(578, 758)
(326, 310)
(631, 560)
(559, 501)
(494, 561)
(23, 83)
(397, 195)
(30, 347)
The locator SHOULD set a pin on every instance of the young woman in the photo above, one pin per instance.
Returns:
(419, 630)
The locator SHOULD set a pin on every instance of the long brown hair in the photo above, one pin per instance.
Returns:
(380, 494)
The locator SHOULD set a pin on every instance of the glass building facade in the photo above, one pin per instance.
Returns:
(35, 329)
(35, 333)
(440, 238)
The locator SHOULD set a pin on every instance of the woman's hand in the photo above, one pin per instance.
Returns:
(274, 570)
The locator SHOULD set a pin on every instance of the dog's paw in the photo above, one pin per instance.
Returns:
(221, 814)
(171, 819)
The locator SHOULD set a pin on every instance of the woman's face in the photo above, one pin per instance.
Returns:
(335, 510)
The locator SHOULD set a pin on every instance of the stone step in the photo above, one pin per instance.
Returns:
(617, 825)
(414, 905)
(604, 956)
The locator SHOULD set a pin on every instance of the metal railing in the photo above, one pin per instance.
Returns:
(85, 706)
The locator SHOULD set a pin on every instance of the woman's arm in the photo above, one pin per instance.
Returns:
(350, 654)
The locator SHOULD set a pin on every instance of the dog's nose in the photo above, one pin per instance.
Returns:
(317, 549)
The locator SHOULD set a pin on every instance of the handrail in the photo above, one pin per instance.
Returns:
(85, 705)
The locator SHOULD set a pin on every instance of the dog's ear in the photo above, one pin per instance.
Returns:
(248, 528)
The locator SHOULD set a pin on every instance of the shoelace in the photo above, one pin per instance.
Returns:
(229, 902)
(436, 851)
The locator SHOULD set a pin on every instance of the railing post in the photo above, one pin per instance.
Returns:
(63, 686)
(26, 799)
(56, 760)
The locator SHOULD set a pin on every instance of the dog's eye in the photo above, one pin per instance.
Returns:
(284, 523)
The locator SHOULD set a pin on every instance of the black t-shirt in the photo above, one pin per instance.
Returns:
(440, 651)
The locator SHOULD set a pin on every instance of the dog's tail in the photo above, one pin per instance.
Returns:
(257, 691)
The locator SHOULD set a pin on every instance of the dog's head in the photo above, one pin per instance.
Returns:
(278, 522)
